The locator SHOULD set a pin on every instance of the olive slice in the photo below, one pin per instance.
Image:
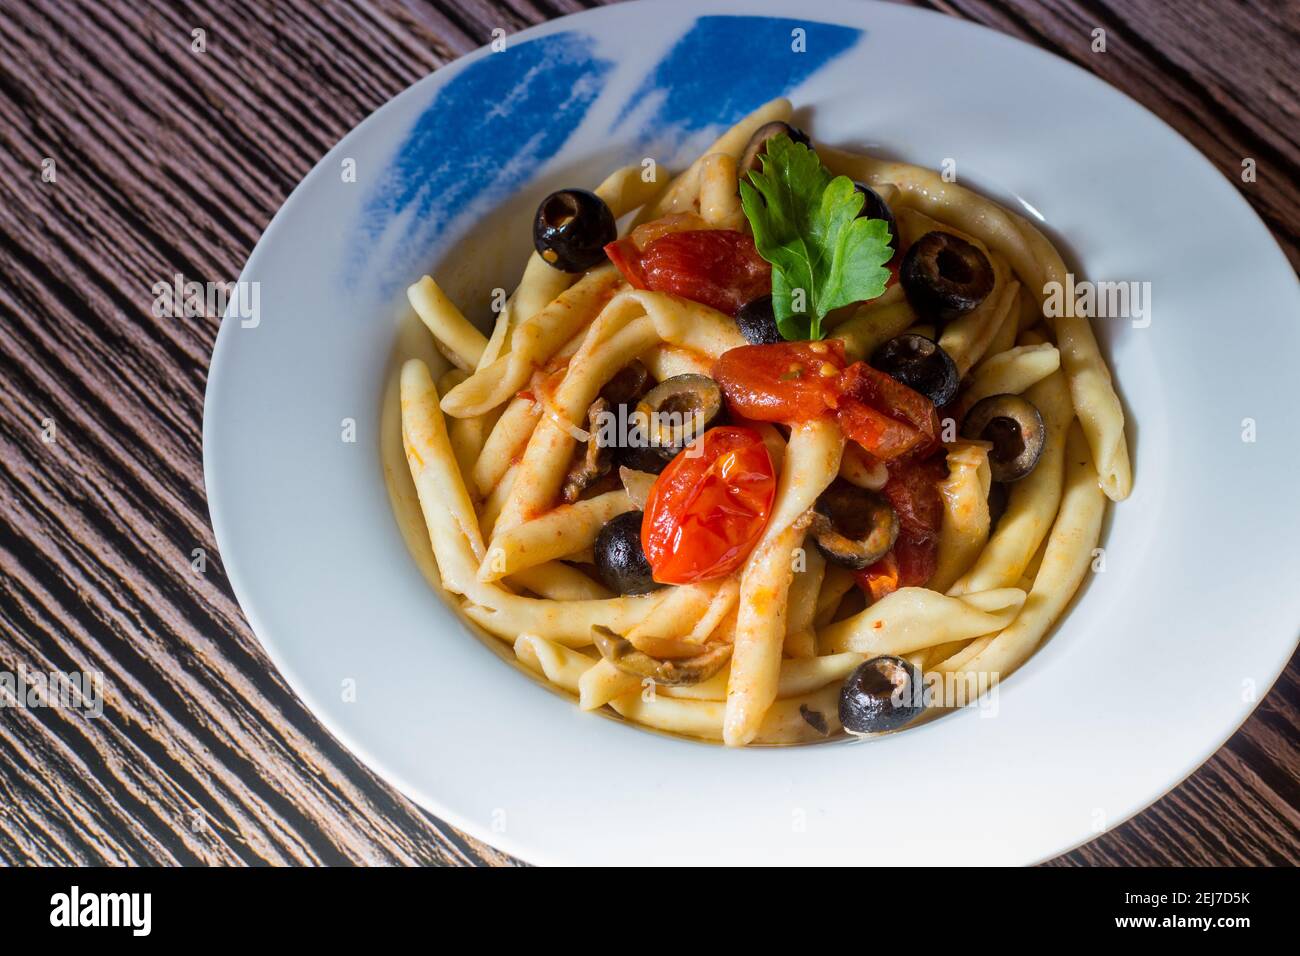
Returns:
(758, 144)
(572, 228)
(594, 462)
(671, 673)
(877, 208)
(921, 365)
(619, 558)
(1014, 427)
(883, 694)
(852, 526)
(757, 321)
(627, 384)
(678, 410)
(945, 276)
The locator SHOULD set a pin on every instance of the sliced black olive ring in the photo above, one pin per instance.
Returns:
(572, 228)
(852, 526)
(945, 276)
(671, 673)
(883, 694)
(921, 365)
(678, 410)
(1015, 428)
(877, 208)
(758, 144)
(619, 559)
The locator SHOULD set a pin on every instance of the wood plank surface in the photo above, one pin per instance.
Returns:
(169, 161)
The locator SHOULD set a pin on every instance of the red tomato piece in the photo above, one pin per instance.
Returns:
(880, 578)
(708, 508)
(884, 437)
(719, 268)
(917, 559)
(909, 565)
(862, 385)
(627, 260)
(913, 490)
(786, 382)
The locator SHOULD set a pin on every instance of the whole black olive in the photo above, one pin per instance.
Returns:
(620, 562)
(945, 276)
(1014, 426)
(921, 365)
(852, 526)
(757, 322)
(572, 228)
(758, 143)
(883, 694)
(678, 410)
(877, 208)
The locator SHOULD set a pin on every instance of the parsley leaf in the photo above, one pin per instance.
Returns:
(806, 225)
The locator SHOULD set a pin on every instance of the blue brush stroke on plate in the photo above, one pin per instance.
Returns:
(488, 131)
(482, 137)
(725, 67)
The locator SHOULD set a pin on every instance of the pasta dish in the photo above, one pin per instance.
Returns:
(780, 448)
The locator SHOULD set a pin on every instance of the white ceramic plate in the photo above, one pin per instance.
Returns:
(1161, 657)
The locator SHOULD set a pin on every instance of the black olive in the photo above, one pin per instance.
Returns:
(678, 410)
(642, 458)
(814, 719)
(883, 694)
(572, 228)
(998, 496)
(921, 365)
(877, 208)
(1014, 426)
(621, 563)
(758, 144)
(945, 276)
(852, 526)
(627, 384)
(757, 322)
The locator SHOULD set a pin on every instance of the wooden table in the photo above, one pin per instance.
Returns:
(170, 161)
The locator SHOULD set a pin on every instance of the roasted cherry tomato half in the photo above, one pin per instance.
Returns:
(708, 508)
(883, 415)
(787, 382)
(719, 268)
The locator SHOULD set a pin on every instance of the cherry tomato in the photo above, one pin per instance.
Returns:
(627, 260)
(719, 268)
(787, 382)
(708, 508)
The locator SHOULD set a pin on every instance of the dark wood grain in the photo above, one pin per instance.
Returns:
(169, 161)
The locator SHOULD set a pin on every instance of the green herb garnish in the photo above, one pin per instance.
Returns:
(806, 224)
